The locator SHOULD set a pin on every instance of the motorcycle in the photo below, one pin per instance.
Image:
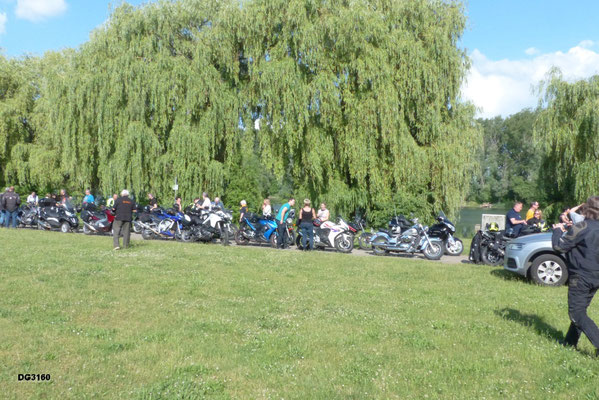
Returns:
(96, 221)
(411, 240)
(53, 216)
(199, 225)
(256, 229)
(27, 216)
(444, 229)
(329, 234)
(160, 224)
(359, 225)
(494, 243)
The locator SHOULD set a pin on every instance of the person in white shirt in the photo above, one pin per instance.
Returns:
(32, 198)
(266, 208)
(206, 203)
(323, 213)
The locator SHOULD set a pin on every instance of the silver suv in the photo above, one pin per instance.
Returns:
(533, 256)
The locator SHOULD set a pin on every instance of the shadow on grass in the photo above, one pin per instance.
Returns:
(507, 275)
(533, 321)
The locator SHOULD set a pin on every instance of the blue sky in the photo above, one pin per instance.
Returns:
(512, 43)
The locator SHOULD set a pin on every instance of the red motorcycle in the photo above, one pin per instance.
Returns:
(96, 221)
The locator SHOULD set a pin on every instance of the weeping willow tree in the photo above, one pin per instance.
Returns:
(356, 102)
(568, 127)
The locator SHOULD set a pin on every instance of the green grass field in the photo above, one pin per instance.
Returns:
(171, 321)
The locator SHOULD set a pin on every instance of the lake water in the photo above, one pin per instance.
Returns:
(470, 216)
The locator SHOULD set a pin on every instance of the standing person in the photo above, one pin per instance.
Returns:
(323, 213)
(63, 196)
(243, 210)
(534, 206)
(281, 225)
(2, 210)
(123, 215)
(206, 203)
(177, 206)
(88, 198)
(33, 199)
(307, 216)
(580, 243)
(152, 202)
(266, 208)
(513, 220)
(110, 201)
(11, 202)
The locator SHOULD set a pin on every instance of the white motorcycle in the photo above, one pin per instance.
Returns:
(329, 234)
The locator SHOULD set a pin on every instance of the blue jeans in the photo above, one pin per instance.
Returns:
(1, 217)
(307, 234)
(8, 215)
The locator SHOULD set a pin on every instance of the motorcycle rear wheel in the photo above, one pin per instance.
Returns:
(298, 242)
(240, 239)
(378, 246)
(147, 234)
(491, 257)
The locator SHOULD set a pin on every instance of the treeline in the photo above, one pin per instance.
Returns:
(509, 161)
(356, 102)
(550, 154)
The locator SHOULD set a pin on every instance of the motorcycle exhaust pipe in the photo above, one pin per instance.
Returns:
(90, 226)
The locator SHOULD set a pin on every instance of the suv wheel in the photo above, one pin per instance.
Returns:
(549, 270)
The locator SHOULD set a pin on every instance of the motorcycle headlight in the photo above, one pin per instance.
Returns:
(289, 220)
(451, 227)
(515, 246)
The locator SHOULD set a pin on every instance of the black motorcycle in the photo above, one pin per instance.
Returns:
(444, 229)
(205, 226)
(53, 216)
(494, 243)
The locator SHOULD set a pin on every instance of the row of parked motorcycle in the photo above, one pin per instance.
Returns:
(400, 236)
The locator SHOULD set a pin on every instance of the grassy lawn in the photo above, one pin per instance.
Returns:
(169, 320)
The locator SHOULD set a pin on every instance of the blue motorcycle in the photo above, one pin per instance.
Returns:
(256, 229)
(161, 224)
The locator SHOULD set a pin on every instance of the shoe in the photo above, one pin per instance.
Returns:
(116, 248)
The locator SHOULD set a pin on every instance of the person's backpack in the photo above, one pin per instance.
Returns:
(475, 250)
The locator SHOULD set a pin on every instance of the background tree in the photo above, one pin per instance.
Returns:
(357, 102)
(569, 130)
(510, 161)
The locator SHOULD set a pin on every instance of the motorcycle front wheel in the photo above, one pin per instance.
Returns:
(456, 249)
(224, 236)
(433, 251)
(344, 243)
(364, 241)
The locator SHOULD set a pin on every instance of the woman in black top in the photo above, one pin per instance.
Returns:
(307, 215)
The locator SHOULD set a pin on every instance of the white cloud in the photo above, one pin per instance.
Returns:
(505, 87)
(531, 51)
(3, 20)
(37, 10)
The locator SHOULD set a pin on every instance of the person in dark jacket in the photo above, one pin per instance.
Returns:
(580, 243)
(123, 207)
(11, 202)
